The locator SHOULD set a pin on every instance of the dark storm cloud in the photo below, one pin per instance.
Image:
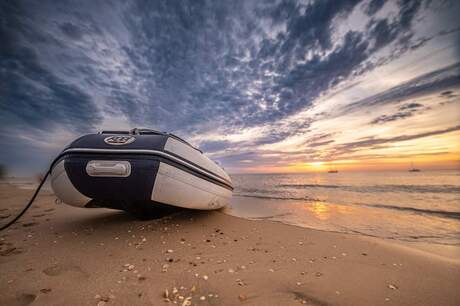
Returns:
(188, 63)
(32, 95)
(448, 94)
(407, 12)
(213, 146)
(383, 33)
(373, 141)
(404, 111)
(410, 106)
(212, 60)
(314, 26)
(394, 117)
(429, 83)
(320, 143)
(71, 30)
(374, 6)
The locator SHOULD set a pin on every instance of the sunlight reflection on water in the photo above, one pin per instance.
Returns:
(421, 207)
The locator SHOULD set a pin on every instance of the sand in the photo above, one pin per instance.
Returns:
(60, 255)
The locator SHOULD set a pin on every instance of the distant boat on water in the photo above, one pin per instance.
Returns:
(413, 169)
(332, 170)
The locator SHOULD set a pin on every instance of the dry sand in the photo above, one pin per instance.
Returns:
(59, 255)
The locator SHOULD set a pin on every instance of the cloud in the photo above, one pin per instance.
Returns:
(358, 145)
(410, 106)
(394, 117)
(374, 6)
(405, 111)
(428, 83)
(448, 94)
(213, 146)
(176, 66)
(71, 30)
(33, 97)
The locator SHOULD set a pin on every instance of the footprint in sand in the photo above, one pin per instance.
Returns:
(4, 216)
(27, 224)
(20, 299)
(11, 251)
(307, 299)
(24, 299)
(57, 270)
(39, 215)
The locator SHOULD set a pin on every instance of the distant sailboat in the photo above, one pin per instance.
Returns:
(332, 170)
(413, 169)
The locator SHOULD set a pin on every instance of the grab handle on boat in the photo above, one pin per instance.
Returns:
(108, 168)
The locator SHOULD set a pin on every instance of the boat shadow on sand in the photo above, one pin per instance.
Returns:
(113, 218)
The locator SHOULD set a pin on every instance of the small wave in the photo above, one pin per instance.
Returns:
(440, 213)
(272, 216)
(271, 197)
(381, 188)
(312, 186)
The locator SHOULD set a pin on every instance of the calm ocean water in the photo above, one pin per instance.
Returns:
(423, 206)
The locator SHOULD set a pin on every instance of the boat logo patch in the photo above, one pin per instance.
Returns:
(119, 140)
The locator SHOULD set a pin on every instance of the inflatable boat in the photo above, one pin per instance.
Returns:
(138, 170)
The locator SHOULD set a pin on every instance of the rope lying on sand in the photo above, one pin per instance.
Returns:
(28, 204)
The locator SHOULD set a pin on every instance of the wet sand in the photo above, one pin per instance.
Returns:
(59, 255)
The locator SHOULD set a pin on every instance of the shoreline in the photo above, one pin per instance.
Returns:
(349, 219)
(63, 255)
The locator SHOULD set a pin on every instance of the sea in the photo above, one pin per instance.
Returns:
(410, 206)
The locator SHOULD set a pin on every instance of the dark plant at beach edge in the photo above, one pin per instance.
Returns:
(2, 171)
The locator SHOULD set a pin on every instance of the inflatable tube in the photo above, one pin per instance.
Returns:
(137, 170)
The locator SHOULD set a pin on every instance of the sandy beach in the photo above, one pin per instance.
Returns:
(59, 255)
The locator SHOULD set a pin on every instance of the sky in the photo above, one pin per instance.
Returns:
(259, 86)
